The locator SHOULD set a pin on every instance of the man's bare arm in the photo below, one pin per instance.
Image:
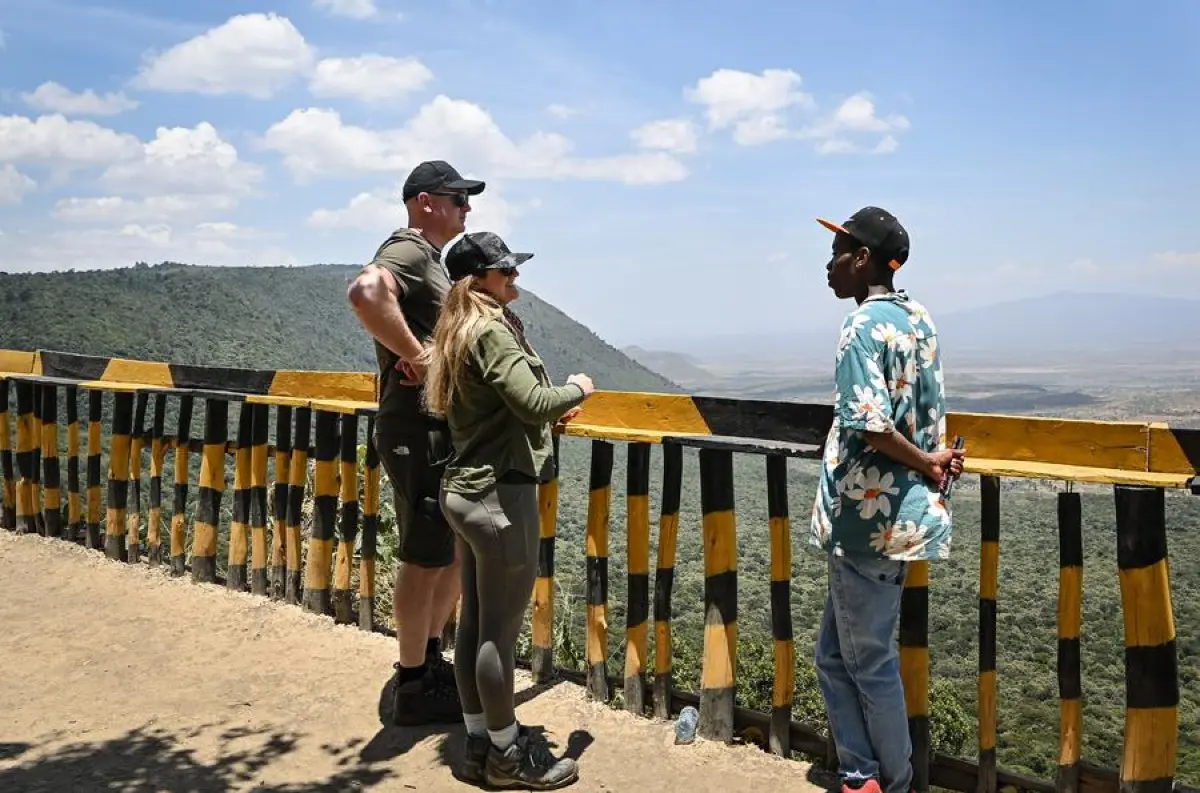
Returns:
(931, 465)
(373, 295)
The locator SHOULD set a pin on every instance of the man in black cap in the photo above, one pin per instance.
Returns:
(397, 298)
(879, 505)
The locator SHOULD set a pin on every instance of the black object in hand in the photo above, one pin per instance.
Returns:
(947, 483)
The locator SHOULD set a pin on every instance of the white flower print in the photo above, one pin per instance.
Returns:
(929, 353)
(849, 330)
(937, 507)
(880, 540)
(868, 405)
(907, 540)
(876, 376)
(872, 491)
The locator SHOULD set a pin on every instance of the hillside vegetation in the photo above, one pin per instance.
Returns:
(254, 317)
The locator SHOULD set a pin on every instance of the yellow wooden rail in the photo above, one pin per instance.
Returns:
(1140, 459)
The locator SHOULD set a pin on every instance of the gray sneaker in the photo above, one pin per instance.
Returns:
(528, 764)
(475, 754)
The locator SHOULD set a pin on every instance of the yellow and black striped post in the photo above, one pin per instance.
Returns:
(1070, 618)
(599, 499)
(718, 677)
(239, 530)
(75, 527)
(51, 473)
(637, 600)
(26, 507)
(989, 577)
(317, 567)
(179, 518)
(158, 453)
(9, 514)
(343, 605)
(283, 459)
(1151, 660)
(260, 417)
(541, 659)
(212, 488)
(118, 476)
(133, 525)
(95, 416)
(38, 518)
(295, 501)
(914, 668)
(664, 576)
(784, 691)
(366, 559)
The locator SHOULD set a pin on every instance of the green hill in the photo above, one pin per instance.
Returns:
(255, 317)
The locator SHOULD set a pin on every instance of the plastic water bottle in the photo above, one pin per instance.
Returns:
(685, 725)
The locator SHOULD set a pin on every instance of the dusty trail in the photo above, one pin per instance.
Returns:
(118, 677)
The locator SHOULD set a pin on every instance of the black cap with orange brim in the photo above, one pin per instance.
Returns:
(878, 230)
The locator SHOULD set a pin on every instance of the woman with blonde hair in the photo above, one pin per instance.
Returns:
(491, 386)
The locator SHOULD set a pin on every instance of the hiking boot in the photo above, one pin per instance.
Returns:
(528, 763)
(475, 754)
(424, 701)
(442, 670)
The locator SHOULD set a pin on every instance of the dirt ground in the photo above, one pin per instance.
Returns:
(119, 678)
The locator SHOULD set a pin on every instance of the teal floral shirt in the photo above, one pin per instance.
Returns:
(888, 377)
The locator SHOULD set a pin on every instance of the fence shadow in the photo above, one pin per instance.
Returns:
(150, 758)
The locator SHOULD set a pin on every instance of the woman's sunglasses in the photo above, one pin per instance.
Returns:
(460, 200)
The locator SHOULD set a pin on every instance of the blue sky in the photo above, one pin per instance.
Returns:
(663, 161)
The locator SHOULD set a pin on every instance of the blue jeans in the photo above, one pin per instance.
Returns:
(858, 668)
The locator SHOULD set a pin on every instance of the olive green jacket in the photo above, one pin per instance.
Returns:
(501, 413)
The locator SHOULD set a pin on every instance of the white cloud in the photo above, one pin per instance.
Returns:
(381, 211)
(756, 108)
(185, 160)
(252, 54)
(677, 135)
(55, 98)
(562, 111)
(63, 144)
(1178, 258)
(121, 246)
(753, 104)
(14, 185)
(315, 142)
(152, 209)
(355, 9)
(371, 78)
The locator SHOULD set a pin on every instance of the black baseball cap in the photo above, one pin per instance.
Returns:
(434, 176)
(478, 252)
(878, 230)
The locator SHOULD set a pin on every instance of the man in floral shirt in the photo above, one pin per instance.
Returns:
(878, 505)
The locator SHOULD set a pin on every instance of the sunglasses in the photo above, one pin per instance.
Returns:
(507, 272)
(460, 200)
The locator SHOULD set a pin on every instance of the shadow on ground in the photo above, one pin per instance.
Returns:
(152, 759)
(392, 741)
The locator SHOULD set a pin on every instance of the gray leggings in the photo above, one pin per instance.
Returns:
(499, 566)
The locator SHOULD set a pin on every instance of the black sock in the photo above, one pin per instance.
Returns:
(410, 673)
(433, 647)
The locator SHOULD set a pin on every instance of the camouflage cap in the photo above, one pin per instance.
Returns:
(480, 251)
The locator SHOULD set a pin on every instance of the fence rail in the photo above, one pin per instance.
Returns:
(318, 415)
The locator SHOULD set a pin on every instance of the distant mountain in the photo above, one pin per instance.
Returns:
(1066, 326)
(255, 317)
(678, 367)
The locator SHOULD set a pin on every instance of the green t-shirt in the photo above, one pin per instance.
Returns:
(417, 267)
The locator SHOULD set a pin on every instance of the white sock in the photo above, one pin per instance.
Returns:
(502, 739)
(476, 723)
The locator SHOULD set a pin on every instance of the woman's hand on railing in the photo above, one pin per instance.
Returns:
(584, 382)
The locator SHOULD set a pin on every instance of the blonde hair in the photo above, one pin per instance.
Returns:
(465, 310)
